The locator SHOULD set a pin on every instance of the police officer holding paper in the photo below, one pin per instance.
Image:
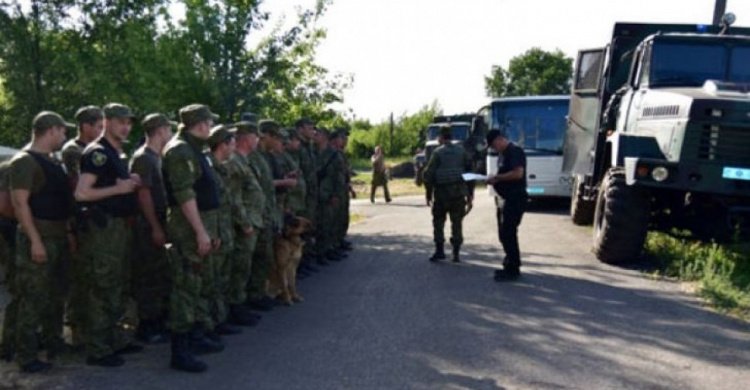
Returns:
(509, 183)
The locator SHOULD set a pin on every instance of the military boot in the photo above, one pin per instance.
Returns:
(439, 252)
(182, 359)
(456, 250)
(199, 344)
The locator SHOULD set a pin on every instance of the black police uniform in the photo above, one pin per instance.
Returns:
(515, 196)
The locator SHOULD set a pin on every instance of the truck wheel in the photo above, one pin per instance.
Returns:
(620, 219)
(581, 210)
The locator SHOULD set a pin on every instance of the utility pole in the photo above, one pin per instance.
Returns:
(719, 10)
(390, 147)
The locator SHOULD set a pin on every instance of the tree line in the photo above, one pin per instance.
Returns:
(62, 54)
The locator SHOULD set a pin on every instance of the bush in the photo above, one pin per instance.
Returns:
(722, 272)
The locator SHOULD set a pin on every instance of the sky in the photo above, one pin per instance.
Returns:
(405, 54)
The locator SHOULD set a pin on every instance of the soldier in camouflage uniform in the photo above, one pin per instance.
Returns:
(90, 123)
(247, 220)
(344, 216)
(215, 287)
(264, 161)
(308, 166)
(296, 197)
(332, 190)
(42, 202)
(105, 192)
(447, 193)
(193, 199)
(150, 267)
(8, 227)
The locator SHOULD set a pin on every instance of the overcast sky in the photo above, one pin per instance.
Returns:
(407, 53)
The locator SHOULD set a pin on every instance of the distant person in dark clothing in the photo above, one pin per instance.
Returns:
(510, 184)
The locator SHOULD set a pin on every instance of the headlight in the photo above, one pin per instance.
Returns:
(660, 174)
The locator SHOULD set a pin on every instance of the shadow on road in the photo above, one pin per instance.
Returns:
(553, 323)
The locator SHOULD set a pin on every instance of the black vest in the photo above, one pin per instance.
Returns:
(53, 202)
(205, 188)
(118, 206)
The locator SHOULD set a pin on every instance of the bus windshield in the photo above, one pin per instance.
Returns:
(537, 125)
(460, 132)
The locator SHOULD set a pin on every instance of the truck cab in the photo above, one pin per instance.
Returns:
(659, 134)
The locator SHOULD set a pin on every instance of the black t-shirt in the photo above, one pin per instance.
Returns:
(512, 158)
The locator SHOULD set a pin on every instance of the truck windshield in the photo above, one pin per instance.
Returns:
(537, 125)
(460, 132)
(690, 64)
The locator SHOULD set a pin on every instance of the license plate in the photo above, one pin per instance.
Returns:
(736, 173)
(535, 190)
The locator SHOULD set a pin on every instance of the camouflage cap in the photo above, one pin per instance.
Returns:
(338, 133)
(303, 122)
(89, 114)
(322, 131)
(220, 134)
(293, 133)
(154, 121)
(48, 119)
(270, 127)
(245, 127)
(117, 110)
(196, 113)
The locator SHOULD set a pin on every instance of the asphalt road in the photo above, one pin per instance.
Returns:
(386, 318)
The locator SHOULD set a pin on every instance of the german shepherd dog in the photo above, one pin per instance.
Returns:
(288, 246)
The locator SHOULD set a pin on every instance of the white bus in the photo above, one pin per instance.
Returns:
(537, 124)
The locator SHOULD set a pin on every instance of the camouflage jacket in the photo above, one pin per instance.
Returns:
(249, 200)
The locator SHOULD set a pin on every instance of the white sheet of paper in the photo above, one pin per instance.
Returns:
(473, 177)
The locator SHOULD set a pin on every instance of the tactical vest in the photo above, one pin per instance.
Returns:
(451, 165)
(205, 188)
(53, 201)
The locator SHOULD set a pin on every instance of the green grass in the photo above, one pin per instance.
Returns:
(363, 164)
(721, 272)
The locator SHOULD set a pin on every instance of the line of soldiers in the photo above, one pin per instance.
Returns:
(183, 231)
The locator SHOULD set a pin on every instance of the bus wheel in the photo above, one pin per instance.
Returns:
(620, 219)
(581, 210)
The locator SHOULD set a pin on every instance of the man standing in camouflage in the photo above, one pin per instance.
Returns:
(193, 199)
(42, 201)
(105, 193)
(150, 267)
(90, 126)
(263, 255)
(332, 182)
(447, 193)
(8, 227)
(247, 221)
(221, 142)
(308, 166)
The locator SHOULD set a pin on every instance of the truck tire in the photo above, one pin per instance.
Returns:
(620, 219)
(581, 210)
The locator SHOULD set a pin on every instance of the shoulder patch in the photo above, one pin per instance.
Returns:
(98, 158)
(190, 166)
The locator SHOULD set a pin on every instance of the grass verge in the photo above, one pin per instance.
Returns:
(720, 272)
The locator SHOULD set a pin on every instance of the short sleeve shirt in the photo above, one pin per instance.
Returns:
(71, 156)
(147, 164)
(513, 157)
(102, 160)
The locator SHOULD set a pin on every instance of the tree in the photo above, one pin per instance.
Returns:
(535, 72)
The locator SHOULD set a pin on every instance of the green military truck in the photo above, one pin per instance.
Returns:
(659, 134)
(467, 129)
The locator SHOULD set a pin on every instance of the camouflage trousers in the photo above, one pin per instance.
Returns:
(453, 207)
(41, 298)
(241, 261)
(222, 274)
(150, 278)
(310, 212)
(8, 261)
(105, 254)
(325, 228)
(261, 265)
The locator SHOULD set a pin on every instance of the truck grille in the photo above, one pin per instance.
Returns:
(724, 144)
